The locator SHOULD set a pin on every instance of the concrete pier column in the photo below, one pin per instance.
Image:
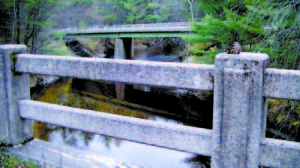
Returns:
(120, 54)
(238, 109)
(13, 87)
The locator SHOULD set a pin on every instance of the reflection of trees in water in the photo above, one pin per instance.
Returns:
(198, 161)
(41, 131)
(72, 137)
(62, 94)
(109, 140)
(87, 137)
(68, 137)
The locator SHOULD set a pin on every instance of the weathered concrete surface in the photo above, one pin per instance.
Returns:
(53, 155)
(279, 83)
(127, 35)
(174, 75)
(238, 109)
(120, 53)
(13, 87)
(279, 153)
(235, 114)
(177, 137)
(120, 49)
(130, 30)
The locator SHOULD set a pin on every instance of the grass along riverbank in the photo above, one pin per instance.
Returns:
(7, 161)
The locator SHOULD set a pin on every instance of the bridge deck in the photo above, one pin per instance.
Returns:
(135, 30)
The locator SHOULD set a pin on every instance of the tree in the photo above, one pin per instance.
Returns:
(23, 21)
(130, 11)
(6, 19)
(225, 22)
(35, 19)
(271, 27)
(281, 41)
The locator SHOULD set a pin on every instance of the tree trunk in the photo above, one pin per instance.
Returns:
(18, 21)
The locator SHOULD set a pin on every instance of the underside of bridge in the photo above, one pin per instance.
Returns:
(124, 45)
(79, 49)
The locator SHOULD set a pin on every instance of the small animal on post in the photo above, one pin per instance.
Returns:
(233, 48)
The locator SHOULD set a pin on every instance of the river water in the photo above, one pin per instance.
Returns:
(152, 103)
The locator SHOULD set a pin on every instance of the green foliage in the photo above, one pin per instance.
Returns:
(225, 22)
(285, 114)
(110, 18)
(281, 40)
(37, 23)
(58, 34)
(272, 26)
(203, 60)
(81, 24)
(153, 17)
(12, 162)
(57, 47)
(134, 11)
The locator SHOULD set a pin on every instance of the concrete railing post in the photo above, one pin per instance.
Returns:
(238, 109)
(13, 87)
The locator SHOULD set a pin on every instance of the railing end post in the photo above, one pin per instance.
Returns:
(238, 109)
(14, 87)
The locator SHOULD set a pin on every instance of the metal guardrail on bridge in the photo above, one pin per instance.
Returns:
(240, 84)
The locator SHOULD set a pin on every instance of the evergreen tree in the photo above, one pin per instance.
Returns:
(130, 11)
(281, 40)
(226, 21)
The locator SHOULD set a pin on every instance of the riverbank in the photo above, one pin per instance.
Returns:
(11, 161)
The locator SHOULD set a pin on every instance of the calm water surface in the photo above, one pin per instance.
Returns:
(161, 105)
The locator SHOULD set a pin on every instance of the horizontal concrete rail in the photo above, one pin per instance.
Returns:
(122, 35)
(174, 75)
(159, 27)
(177, 137)
(279, 153)
(283, 84)
(129, 30)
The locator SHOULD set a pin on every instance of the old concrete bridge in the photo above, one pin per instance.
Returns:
(124, 44)
(241, 84)
(126, 33)
(130, 31)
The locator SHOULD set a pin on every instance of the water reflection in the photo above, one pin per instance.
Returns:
(130, 152)
(161, 105)
(192, 108)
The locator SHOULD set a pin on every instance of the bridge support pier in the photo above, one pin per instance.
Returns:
(14, 87)
(238, 121)
(121, 53)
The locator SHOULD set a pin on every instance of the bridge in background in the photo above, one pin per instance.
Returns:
(124, 46)
(130, 31)
(126, 33)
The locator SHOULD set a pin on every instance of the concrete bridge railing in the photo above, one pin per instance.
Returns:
(185, 25)
(241, 84)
